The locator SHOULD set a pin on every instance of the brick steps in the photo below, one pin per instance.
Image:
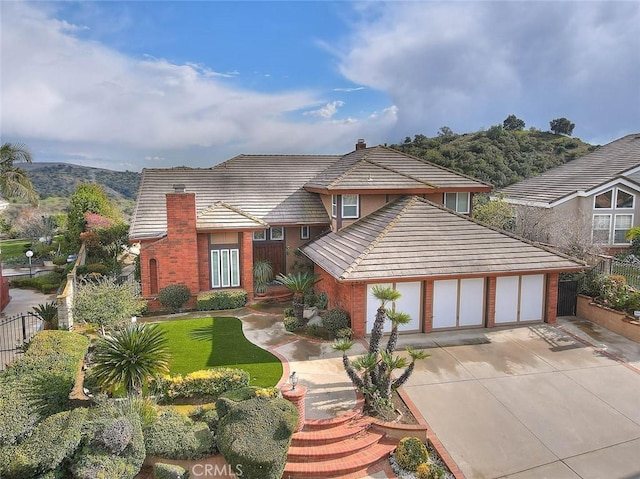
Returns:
(343, 447)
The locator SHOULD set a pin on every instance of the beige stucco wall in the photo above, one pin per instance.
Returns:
(293, 242)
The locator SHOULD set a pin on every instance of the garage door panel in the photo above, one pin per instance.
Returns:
(445, 303)
(471, 302)
(411, 303)
(507, 299)
(372, 308)
(532, 297)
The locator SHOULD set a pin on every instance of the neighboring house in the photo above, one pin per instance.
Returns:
(596, 196)
(373, 216)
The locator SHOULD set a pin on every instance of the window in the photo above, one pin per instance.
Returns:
(624, 200)
(225, 268)
(304, 232)
(259, 235)
(603, 200)
(334, 206)
(623, 224)
(350, 206)
(457, 202)
(601, 228)
(277, 233)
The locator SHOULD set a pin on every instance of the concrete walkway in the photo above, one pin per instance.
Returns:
(533, 402)
(23, 300)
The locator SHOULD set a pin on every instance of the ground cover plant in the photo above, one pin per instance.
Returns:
(204, 343)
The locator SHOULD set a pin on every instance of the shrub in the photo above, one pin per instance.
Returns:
(410, 453)
(227, 400)
(344, 333)
(336, 318)
(117, 436)
(310, 299)
(175, 436)
(209, 416)
(18, 419)
(44, 283)
(206, 383)
(423, 471)
(52, 441)
(169, 471)
(103, 466)
(289, 313)
(174, 296)
(255, 436)
(217, 300)
(291, 323)
(322, 300)
(614, 292)
(320, 332)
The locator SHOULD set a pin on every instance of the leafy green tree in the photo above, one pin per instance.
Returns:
(495, 212)
(561, 126)
(131, 357)
(298, 284)
(513, 123)
(88, 198)
(14, 181)
(372, 373)
(105, 303)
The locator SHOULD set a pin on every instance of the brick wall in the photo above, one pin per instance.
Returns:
(427, 325)
(4, 291)
(204, 262)
(551, 304)
(246, 263)
(491, 302)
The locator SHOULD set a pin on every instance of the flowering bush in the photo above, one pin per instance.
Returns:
(206, 382)
(614, 292)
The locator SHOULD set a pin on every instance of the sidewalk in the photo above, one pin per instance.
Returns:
(23, 300)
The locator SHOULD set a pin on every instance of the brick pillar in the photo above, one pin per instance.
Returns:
(427, 327)
(551, 302)
(246, 263)
(358, 311)
(296, 397)
(491, 303)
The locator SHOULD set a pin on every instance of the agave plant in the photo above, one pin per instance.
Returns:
(48, 313)
(298, 284)
(131, 357)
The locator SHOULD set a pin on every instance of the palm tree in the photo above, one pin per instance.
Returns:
(14, 181)
(298, 284)
(131, 357)
(48, 314)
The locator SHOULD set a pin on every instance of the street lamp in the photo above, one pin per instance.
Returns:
(293, 380)
(29, 254)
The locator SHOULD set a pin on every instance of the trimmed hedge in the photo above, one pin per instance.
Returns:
(175, 436)
(169, 471)
(206, 383)
(44, 283)
(174, 296)
(255, 436)
(335, 319)
(226, 401)
(52, 441)
(207, 415)
(217, 300)
(18, 419)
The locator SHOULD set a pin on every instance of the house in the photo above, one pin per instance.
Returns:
(373, 216)
(594, 197)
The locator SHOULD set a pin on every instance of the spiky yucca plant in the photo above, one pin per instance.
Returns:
(131, 357)
(298, 284)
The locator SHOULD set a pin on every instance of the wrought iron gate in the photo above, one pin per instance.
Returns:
(567, 298)
(15, 331)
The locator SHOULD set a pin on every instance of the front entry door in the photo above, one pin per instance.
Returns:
(272, 251)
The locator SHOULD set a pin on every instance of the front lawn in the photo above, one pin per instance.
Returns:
(205, 343)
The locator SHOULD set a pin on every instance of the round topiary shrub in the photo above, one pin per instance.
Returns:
(116, 436)
(335, 319)
(174, 296)
(423, 471)
(291, 324)
(410, 453)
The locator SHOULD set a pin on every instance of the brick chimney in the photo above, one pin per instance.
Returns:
(361, 145)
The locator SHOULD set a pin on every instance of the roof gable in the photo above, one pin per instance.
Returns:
(413, 237)
(222, 215)
(611, 161)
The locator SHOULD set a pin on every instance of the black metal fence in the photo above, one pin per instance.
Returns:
(15, 331)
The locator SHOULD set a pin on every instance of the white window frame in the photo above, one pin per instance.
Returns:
(260, 235)
(304, 232)
(614, 229)
(276, 237)
(457, 209)
(593, 229)
(334, 206)
(221, 278)
(615, 200)
(356, 205)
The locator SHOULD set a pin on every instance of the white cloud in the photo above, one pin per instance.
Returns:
(349, 90)
(468, 65)
(327, 111)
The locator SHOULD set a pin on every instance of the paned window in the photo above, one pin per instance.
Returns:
(458, 202)
(334, 206)
(622, 225)
(225, 268)
(277, 233)
(603, 200)
(601, 228)
(350, 205)
(259, 235)
(304, 232)
(624, 200)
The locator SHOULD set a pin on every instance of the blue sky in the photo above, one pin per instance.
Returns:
(129, 85)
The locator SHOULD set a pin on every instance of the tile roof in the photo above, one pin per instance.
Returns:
(413, 237)
(223, 215)
(582, 174)
(382, 168)
(267, 188)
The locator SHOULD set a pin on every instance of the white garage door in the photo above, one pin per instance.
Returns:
(410, 302)
(458, 303)
(519, 298)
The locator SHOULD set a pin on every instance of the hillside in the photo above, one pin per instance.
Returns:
(497, 156)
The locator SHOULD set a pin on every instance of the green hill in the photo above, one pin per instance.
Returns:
(496, 156)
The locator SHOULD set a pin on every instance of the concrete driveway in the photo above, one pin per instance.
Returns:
(533, 402)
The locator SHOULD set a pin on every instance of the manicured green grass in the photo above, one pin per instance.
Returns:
(14, 248)
(205, 343)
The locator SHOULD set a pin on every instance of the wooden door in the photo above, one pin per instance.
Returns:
(272, 251)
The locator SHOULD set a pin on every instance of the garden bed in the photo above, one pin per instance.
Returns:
(617, 321)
